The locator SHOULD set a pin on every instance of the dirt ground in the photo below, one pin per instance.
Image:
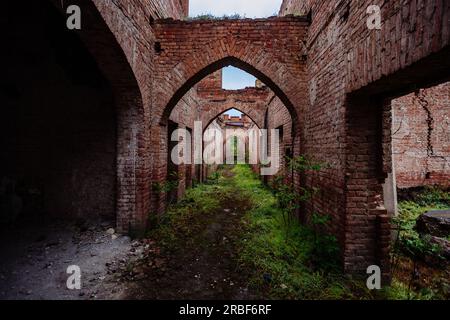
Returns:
(423, 276)
(203, 267)
(34, 261)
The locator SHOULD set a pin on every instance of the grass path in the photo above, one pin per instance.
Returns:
(198, 239)
(227, 239)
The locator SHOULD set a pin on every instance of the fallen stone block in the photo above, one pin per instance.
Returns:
(435, 223)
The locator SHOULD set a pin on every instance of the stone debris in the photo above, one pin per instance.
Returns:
(435, 223)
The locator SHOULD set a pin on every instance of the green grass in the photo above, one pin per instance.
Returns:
(411, 245)
(279, 259)
(411, 242)
(280, 256)
(285, 257)
(178, 220)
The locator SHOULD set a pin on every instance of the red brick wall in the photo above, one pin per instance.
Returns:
(210, 84)
(120, 38)
(177, 9)
(189, 51)
(251, 101)
(278, 117)
(205, 102)
(57, 121)
(185, 113)
(421, 137)
(131, 24)
(345, 57)
(192, 50)
(334, 75)
(313, 70)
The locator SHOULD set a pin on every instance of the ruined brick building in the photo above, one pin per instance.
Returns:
(87, 115)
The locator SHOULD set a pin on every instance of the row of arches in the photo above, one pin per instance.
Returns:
(209, 105)
(91, 149)
(86, 116)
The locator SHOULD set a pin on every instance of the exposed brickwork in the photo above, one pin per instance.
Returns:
(211, 84)
(131, 24)
(421, 137)
(205, 102)
(278, 117)
(251, 101)
(191, 50)
(343, 56)
(119, 37)
(57, 122)
(334, 75)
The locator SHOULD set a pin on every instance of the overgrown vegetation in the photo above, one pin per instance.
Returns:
(282, 258)
(413, 251)
(283, 262)
(410, 242)
(325, 251)
(209, 16)
(169, 185)
(177, 221)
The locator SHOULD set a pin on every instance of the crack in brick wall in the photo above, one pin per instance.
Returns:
(421, 143)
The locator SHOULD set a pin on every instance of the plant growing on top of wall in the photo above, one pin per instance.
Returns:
(209, 16)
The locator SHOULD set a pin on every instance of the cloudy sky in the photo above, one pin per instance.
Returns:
(248, 8)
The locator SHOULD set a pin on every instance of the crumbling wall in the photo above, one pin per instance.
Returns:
(421, 137)
(351, 70)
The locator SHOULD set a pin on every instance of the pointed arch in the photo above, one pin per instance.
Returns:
(205, 127)
(105, 40)
(217, 65)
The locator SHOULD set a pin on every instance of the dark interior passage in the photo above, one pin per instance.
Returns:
(57, 121)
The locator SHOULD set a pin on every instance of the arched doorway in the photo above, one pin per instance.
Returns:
(186, 107)
(231, 138)
(69, 131)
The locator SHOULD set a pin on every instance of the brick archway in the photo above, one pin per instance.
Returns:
(246, 111)
(260, 47)
(188, 51)
(254, 107)
(105, 41)
(225, 62)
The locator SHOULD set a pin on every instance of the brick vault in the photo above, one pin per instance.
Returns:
(335, 77)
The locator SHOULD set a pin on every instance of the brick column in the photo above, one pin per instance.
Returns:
(384, 238)
(367, 231)
(132, 163)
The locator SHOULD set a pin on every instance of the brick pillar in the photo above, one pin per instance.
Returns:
(185, 7)
(159, 151)
(367, 231)
(384, 237)
(132, 164)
